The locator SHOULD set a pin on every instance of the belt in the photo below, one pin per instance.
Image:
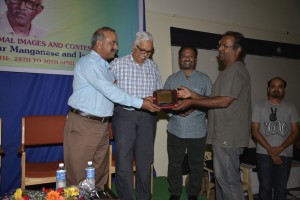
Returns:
(86, 115)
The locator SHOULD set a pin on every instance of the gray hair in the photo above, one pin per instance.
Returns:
(99, 34)
(142, 36)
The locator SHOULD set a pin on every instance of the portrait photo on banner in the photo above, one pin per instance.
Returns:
(39, 35)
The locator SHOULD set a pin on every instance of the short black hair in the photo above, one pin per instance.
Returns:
(279, 78)
(187, 47)
(99, 34)
(240, 41)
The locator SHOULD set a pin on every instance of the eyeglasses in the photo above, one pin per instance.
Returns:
(29, 4)
(144, 51)
(225, 46)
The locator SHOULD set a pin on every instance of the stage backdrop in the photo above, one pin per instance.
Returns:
(48, 62)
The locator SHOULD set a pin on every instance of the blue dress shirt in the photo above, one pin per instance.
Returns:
(193, 125)
(94, 91)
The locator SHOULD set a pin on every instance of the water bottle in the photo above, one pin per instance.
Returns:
(61, 178)
(90, 175)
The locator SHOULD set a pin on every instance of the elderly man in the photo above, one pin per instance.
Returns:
(134, 129)
(86, 135)
(19, 16)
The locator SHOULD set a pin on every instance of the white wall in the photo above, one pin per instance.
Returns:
(272, 20)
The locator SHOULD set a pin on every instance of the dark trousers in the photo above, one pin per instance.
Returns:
(272, 178)
(176, 151)
(85, 140)
(134, 133)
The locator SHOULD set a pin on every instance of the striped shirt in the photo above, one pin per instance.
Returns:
(138, 80)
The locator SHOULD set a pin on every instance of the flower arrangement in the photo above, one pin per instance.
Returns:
(69, 193)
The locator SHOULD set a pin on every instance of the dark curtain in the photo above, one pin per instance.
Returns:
(25, 94)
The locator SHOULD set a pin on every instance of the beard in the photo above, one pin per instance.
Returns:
(277, 95)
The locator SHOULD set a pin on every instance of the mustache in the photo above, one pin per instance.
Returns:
(20, 12)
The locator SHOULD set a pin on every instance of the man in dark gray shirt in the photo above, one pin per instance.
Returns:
(229, 117)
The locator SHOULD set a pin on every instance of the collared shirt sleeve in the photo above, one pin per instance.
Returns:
(94, 90)
(101, 79)
(138, 80)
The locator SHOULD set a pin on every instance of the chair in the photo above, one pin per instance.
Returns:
(40, 131)
(112, 167)
(209, 183)
(246, 181)
(208, 168)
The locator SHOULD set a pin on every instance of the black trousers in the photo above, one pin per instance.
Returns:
(134, 133)
(176, 151)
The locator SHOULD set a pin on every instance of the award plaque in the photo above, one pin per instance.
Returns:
(165, 99)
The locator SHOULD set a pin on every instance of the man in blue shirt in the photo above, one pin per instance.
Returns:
(86, 136)
(134, 129)
(187, 129)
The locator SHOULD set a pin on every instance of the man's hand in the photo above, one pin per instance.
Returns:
(150, 98)
(274, 151)
(184, 92)
(148, 105)
(277, 160)
(183, 105)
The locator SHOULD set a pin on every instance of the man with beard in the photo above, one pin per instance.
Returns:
(187, 129)
(18, 18)
(229, 117)
(134, 129)
(86, 134)
(275, 127)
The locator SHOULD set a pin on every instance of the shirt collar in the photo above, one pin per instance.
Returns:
(132, 60)
(100, 59)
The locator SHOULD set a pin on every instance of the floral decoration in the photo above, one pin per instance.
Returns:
(69, 193)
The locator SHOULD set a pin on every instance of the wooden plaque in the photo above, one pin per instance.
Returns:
(165, 99)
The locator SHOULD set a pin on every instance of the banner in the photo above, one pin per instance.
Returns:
(60, 32)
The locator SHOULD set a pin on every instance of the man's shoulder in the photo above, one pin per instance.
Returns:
(90, 57)
(175, 75)
(240, 67)
(121, 59)
(289, 105)
(261, 103)
(202, 74)
(128, 56)
(238, 63)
